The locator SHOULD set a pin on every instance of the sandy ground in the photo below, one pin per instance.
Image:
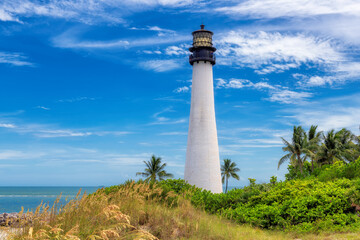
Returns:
(4, 232)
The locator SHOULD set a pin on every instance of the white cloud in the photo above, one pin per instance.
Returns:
(89, 12)
(317, 81)
(292, 8)
(232, 83)
(173, 133)
(177, 121)
(152, 52)
(277, 68)
(161, 120)
(46, 131)
(288, 97)
(76, 99)
(160, 65)
(160, 31)
(183, 89)
(71, 39)
(15, 154)
(60, 133)
(277, 93)
(174, 50)
(242, 83)
(263, 85)
(275, 52)
(42, 107)
(7, 125)
(15, 59)
(50, 156)
(338, 74)
(332, 113)
(5, 16)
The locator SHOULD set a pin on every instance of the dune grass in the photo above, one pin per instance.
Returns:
(141, 211)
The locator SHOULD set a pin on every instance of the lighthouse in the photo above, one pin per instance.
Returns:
(202, 167)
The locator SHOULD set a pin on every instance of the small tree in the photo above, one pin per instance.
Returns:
(228, 170)
(154, 169)
(295, 149)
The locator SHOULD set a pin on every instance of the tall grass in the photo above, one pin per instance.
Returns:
(137, 211)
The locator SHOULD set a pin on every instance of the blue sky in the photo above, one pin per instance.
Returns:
(90, 89)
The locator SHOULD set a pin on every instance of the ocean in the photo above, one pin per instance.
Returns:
(13, 198)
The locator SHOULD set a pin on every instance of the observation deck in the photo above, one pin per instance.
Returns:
(202, 49)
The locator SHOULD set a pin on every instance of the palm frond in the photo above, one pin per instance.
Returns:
(284, 158)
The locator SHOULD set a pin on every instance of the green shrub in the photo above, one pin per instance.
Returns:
(305, 205)
(294, 173)
(340, 170)
(302, 205)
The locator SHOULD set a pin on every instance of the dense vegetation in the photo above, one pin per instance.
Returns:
(321, 194)
(297, 205)
(320, 149)
(173, 209)
(139, 211)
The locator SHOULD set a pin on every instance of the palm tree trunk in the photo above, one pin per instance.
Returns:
(300, 164)
(226, 184)
(312, 165)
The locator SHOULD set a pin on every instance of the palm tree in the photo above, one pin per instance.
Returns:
(330, 150)
(338, 146)
(348, 149)
(154, 169)
(228, 170)
(312, 146)
(296, 149)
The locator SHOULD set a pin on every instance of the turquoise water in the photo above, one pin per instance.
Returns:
(13, 198)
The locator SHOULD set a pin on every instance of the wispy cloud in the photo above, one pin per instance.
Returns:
(44, 133)
(160, 65)
(16, 154)
(291, 8)
(173, 133)
(183, 89)
(42, 107)
(72, 39)
(242, 83)
(161, 120)
(89, 12)
(7, 125)
(330, 113)
(47, 131)
(160, 31)
(15, 59)
(275, 52)
(289, 97)
(277, 93)
(76, 99)
(338, 74)
(168, 122)
(67, 155)
(175, 50)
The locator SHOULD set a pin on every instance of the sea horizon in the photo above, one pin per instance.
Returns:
(13, 198)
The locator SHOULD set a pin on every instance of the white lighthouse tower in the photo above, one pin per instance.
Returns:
(202, 167)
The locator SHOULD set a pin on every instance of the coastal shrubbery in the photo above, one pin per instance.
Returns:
(319, 196)
(299, 205)
(309, 153)
(136, 211)
(173, 209)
